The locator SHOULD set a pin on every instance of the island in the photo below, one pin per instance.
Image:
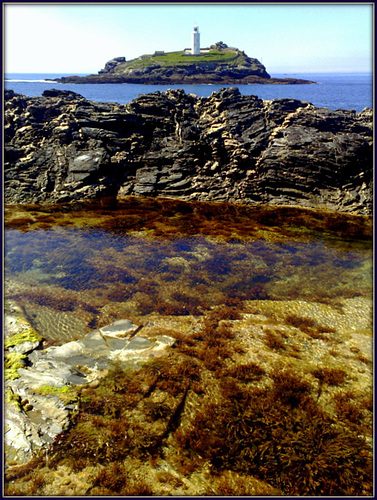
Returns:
(217, 64)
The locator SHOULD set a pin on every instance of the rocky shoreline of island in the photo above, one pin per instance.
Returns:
(179, 79)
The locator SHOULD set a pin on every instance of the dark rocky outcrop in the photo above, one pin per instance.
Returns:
(186, 76)
(227, 147)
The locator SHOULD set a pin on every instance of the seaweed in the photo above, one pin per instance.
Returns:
(118, 480)
(247, 373)
(229, 483)
(273, 340)
(34, 481)
(288, 442)
(289, 387)
(169, 309)
(330, 376)
(346, 409)
(309, 326)
(20, 471)
(157, 411)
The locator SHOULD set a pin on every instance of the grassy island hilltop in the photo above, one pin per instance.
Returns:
(216, 64)
(228, 56)
(180, 57)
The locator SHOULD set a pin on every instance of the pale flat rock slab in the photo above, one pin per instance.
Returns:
(24, 347)
(35, 378)
(139, 343)
(119, 328)
(141, 348)
(100, 344)
(66, 350)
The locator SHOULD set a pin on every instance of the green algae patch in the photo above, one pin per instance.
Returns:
(13, 361)
(28, 335)
(65, 393)
(12, 398)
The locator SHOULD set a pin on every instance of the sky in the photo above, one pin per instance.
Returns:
(76, 38)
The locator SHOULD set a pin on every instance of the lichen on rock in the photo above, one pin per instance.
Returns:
(13, 362)
(26, 335)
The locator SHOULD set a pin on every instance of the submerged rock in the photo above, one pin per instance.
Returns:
(227, 147)
(119, 328)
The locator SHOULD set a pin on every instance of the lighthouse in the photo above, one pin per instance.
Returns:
(195, 50)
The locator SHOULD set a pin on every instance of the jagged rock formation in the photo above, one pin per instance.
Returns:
(110, 65)
(220, 65)
(227, 147)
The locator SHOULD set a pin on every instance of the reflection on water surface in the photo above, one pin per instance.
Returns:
(74, 271)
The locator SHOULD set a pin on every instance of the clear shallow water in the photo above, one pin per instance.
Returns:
(70, 280)
(334, 91)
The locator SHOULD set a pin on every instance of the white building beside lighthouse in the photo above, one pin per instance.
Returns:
(195, 48)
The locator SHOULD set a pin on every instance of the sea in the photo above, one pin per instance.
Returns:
(331, 90)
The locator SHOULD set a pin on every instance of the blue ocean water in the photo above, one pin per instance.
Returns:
(332, 90)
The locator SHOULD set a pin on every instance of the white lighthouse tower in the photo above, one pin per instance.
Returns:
(195, 50)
